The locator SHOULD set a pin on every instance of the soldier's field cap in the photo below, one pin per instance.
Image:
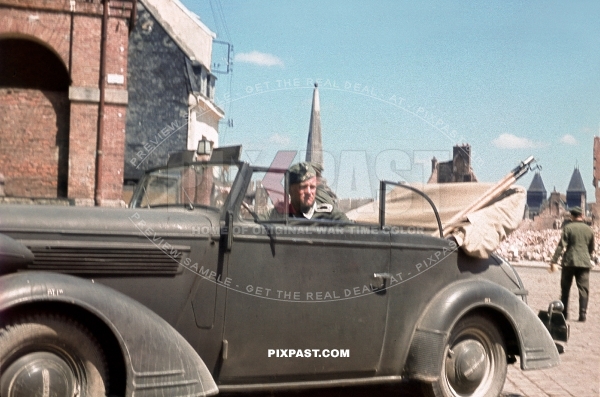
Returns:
(576, 211)
(301, 172)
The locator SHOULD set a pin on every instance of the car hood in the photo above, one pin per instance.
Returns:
(99, 220)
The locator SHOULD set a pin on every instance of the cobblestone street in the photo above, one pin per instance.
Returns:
(578, 375)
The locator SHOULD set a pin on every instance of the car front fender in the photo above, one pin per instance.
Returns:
(537, 349)
(158, 360)
(13, 255)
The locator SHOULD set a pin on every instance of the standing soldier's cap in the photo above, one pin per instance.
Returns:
(301, 172)
(576, 211)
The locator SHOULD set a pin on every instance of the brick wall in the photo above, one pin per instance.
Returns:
(82, 150)
(116, 50)
(84, 120)
(113, 147)
(49, 140)
(51, 28)
(33, 145)
(87, 32)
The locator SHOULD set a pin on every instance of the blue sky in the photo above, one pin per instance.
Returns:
(403, 81)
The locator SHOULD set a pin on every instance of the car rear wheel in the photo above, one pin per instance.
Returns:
(474, 362)
(50, 355)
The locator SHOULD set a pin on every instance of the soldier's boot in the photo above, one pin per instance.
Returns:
(583, 302)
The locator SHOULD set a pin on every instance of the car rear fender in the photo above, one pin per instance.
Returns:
(158, 360)
(536, 347)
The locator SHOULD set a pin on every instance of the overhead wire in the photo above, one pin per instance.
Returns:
(221, 27)
(222, 16)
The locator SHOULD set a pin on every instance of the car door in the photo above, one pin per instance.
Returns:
(421, 264)
(304, 287)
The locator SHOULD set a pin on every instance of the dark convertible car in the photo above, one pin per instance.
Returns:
(190, 291)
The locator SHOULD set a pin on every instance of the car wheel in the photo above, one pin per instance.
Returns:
(50, 355)
(474, 362)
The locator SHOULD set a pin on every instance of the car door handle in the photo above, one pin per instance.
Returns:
(379, 281)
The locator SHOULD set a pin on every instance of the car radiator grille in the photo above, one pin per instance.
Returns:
(150, 261)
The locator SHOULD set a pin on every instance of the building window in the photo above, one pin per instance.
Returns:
(211, 87)
(203, 82)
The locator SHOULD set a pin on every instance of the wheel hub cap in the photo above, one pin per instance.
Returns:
(467, 367)
(38, 374)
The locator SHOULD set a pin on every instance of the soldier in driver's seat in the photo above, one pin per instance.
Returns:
(306, 201)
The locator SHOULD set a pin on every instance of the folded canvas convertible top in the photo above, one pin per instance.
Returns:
(478, 233)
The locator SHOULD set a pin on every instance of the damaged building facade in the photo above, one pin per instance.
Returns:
(456, 170)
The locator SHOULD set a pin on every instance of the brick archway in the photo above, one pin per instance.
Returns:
(34, 115)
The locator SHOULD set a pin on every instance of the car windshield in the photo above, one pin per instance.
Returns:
(205, 185)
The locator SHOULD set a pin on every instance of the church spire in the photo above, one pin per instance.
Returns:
(314, 147)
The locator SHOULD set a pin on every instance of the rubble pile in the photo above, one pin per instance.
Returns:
(535, 245)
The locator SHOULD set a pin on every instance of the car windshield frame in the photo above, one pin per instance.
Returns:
(215, 196)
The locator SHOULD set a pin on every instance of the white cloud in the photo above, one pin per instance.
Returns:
(279, 139)
(568, 140)
(258, 58)
(510, 141)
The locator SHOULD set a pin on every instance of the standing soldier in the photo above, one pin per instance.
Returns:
(577, 242)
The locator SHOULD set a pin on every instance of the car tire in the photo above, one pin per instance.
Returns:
(474, 361)
(50, 355)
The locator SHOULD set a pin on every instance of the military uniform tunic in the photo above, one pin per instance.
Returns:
(578, 240)
(317, 211)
